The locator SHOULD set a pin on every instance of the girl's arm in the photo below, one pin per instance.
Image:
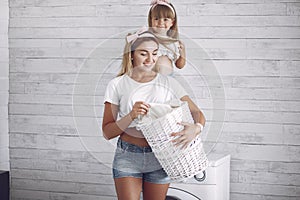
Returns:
(180, 62)
(190, 130)
(112, 128)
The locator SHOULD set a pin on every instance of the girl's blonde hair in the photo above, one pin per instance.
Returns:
(162, 11)
(129, 49)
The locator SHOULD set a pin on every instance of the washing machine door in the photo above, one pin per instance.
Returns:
(180, 194)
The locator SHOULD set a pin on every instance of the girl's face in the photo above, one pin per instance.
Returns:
(145, 56)
(161, 25)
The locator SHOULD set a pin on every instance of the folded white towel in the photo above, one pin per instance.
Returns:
(158, 110)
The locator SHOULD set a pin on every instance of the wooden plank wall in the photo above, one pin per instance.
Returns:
(56, 147)
(4, 85)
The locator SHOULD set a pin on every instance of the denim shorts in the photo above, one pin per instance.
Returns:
(134, 161)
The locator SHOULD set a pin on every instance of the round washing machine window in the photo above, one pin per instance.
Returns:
(180, 194)
(172, 198)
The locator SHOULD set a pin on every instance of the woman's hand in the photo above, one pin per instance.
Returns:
(139, 108)
(187, 135)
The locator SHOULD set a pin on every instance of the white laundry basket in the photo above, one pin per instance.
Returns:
(178, 163)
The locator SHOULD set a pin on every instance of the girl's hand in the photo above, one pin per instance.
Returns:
(187, 135)
(139, 108)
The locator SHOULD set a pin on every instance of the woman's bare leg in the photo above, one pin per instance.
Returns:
(128, 188)
(155, 191)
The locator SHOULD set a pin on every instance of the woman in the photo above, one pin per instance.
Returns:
(127, 98)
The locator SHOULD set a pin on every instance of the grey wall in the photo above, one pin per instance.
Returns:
(4, 152)
(253, 44)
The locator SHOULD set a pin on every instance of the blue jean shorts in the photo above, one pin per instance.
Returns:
(134, 161)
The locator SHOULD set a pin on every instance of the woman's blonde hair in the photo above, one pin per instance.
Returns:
(162, 11)
(129, 49)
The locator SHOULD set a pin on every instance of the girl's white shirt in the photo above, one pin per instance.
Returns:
(170, 50)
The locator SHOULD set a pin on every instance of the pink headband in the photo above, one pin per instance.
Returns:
(140, 33)
(162, 2)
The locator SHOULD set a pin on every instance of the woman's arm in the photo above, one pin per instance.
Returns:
(196, 112)
(112, 128)
(190, 130)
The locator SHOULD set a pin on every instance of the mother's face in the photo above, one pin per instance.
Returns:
(145, 55)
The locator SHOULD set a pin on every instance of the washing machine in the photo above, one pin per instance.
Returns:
(212, 185)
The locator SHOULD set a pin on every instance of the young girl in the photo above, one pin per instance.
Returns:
(135, 168)
(162, 20)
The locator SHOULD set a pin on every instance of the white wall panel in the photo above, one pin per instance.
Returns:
(254, 46)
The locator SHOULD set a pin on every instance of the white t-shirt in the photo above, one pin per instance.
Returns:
(170, 50)
(124, 92)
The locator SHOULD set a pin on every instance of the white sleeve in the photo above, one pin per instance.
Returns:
(111, 93)
(177, 87)
(177, 46)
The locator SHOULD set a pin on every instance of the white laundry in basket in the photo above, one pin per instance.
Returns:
(158, 110)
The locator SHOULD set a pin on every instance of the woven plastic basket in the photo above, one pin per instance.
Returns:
(178, 163)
